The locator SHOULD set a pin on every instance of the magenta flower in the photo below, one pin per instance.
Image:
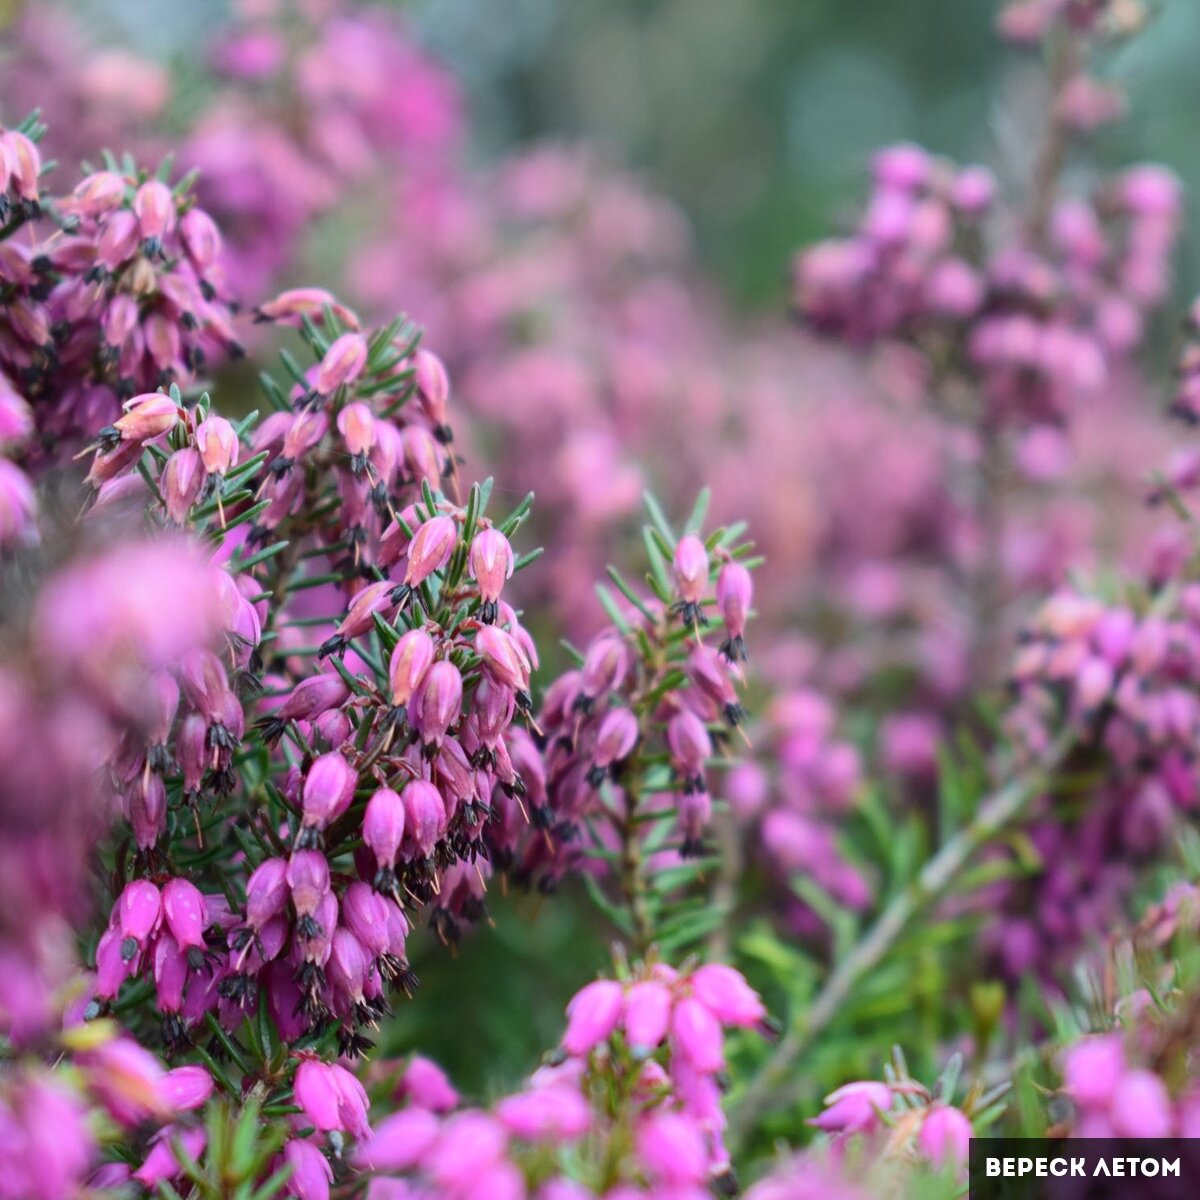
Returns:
(727, 995)
(592, 1015)
(343, 363)
(401, 1141)
(430, 549)
(410, 661)
(332, 1099)
(383, 829)
(945, 1135)
(647, 1015)
(425, 1084)
(671, 1148)
(696, 1034)
(491, 563)
(854, 1108)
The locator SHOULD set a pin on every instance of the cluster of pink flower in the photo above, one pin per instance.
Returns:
(815, 784)
(102, 628)
(1125, 682)
(124, 296)
(940, 1131)
(1114, 1097)
(314, 102)
(649, 690)
(877, 1134)
(46, 1117)
(1042, 321)
(421, 764)
(639, 1068)
(310, 109)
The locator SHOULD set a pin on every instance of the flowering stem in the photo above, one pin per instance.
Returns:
(776, 1084)
(1053, 151)
(633, 880)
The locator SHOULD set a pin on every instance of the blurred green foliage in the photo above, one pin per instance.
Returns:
(759, 116)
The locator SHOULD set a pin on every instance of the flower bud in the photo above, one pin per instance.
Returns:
(690, 746)
(735, 591)
(118, 241)
(161, 1165)
(503, 657)
(647, 1015)
(945, 1135)
(344, 362)
(726, 994)
(217, 442)
(555, 1112)
(855, 1108)
(592, 1015)
(615, 739)
(138, 913)
(308, 880)
(401, 1141)
(186, 913)
(690, 568)
(328, 790)
(266, 892)
(672, 1149)
(121, 318)
(491, 564)
(695, 813)
(316, 1093)
(185, 1088)
(438, 704)
(424, 815)
(154, 207)
(25, 163)
(433, 390)
(605, 666)
(127, 1078)
(182, 480)
(430, 549)
(201, 238)
(147, 417)
(147, 810)
(697, 1036)
(98, 193)
(112, 968)
(356, 424)
(349, 964)
(383, 826)
(359, 618)
(411, 659)
(311, 1173)
(424, 1083)
(365, 913)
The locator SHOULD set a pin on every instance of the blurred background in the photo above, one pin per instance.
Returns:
(756, 116)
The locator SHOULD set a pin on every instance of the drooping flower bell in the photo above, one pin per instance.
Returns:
(491, 564)
(735, 592)
(690, 568)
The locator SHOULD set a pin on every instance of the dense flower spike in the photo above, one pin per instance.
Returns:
(605, 721)
(669, 1100)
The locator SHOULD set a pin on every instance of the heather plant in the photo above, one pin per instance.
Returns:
(281, 697)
